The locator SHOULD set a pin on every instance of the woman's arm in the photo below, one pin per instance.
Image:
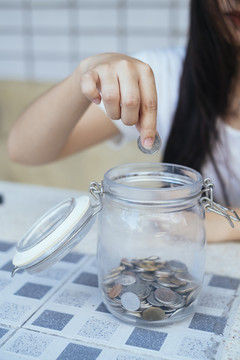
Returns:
(62, 121)
(219, 230)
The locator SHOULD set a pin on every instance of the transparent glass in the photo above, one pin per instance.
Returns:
(151, 246)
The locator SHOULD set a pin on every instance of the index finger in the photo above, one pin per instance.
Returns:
(148, 108)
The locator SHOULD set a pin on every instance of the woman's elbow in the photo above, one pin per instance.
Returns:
(13, 149)
(18, 152)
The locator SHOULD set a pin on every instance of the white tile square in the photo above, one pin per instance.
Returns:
(184, 17)
(10, 4)
(29, 343)
(14, 312)
(95, 18)
(11, 43)
(51, 44)
(11, 18)
(50, 3)
(25, 344)
(145, 3)
(148, 18)
(50, 18)
(178, 40)
(90, 3)
(46, 70)
(11, 69)
(179, 18)
(97, 44)
(138, 43)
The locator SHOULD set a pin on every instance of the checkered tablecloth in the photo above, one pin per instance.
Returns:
(59, 314)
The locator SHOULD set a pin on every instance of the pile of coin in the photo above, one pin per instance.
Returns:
(150, 288)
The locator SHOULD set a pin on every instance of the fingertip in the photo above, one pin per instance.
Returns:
(148, 142)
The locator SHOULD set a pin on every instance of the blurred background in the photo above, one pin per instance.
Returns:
(42, 41)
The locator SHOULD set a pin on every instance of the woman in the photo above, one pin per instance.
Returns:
(191, 97)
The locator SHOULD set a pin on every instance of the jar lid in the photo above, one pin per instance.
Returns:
(54, 235)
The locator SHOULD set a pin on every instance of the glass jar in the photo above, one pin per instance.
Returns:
(151, 242)
(151, 239)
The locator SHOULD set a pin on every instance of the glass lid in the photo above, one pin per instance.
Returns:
(54, 235)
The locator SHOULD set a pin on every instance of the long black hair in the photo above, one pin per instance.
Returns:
(208, 71)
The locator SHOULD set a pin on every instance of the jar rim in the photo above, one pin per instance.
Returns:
(152, 183)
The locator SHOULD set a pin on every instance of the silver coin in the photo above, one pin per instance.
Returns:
(156, 285)
(146, 276)
(177, 266)
(125, 262)
(155, 148)
(192, 296)
(110, 280)
(134, 313)
(185, 289)
(117, 270)
(167, 283)
(164, 272)
(126, 280)
(153, 301)
(180, 303)
(176, 281)
(154, 258)
(166, 296)
(184, 277)
(130, 301)
(178, 312)
(145, 306)
(141, 290)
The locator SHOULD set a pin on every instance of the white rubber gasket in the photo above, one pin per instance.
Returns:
(26, 257)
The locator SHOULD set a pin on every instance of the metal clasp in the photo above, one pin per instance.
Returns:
(211, 206)
(96, 190)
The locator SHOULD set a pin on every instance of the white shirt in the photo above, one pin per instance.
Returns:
(167, 68)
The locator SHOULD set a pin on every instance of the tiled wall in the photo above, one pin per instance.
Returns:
(44, 40)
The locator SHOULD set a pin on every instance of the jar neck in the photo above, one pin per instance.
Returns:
(153, 183)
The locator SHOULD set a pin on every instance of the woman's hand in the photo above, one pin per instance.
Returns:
(63, 120)
(218, 229)
(127, 88)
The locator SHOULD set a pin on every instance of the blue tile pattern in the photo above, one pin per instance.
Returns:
(147, 339)
(86, 278)
(102, 308)
(5, 246)
(73, 257)
(53, 320)
(59, 314)
(9, 267)
(225, 282)
(77, 352)
(34, 291)
(210, 323)
(3, 332)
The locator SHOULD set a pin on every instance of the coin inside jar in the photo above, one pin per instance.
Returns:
(165, 296)
(149, 284)
(115, 291)
(153, 314)
(130, 301)
(155, 148)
